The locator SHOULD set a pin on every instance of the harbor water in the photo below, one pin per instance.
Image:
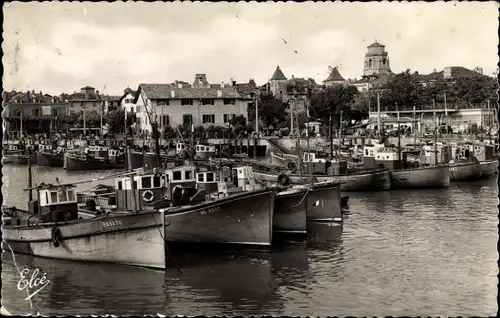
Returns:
(415, 253)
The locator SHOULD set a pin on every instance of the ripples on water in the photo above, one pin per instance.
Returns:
(423, 253)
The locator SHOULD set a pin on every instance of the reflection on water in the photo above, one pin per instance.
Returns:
(398, 253)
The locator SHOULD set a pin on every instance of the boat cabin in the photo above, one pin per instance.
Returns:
(205, 151)
(150, 188)
(180, 147)
(244, 178)
(321, 164)
(482, 151)
(443, 153)
(209, 180)
(55, 203)
(45, 148)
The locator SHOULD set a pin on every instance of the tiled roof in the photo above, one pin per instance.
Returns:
(164, 91)
(278, 75)
(246, 89)
(334, 76)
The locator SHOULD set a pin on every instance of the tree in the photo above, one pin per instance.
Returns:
(115, 120)
(271, 110)
(333, 100)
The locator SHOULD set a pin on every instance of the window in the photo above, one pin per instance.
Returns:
(187, 174)
(210, 177)
(119, 185)
(208, 118)
(229, 101)
(132, 109)
(36, 112)
(94, 104)
(156, 181)
(165, 120)
(138, 109)
(54, 112)
(19, 113)
(200, 177)
(71, 195)
(187, 120)
(62, 196)
(146, 182)
(207, 101)
(53, 197)
(186, 101)
(177, 175)
(162, 102)
(81, 104)
(135, 184)
(46, 198)
(228, 117)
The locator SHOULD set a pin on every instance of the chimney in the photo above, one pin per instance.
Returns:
(172, 93)
(219, 93)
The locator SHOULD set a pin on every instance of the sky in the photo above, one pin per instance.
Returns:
(61, 47)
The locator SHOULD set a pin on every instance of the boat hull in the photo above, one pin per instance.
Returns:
(240, 219)
(132, 239)
(489, 168)
(378, 180)
(50, 159)
(76, 164)
(324, 202)
(465, 172)
(290, 212)
(427, 177)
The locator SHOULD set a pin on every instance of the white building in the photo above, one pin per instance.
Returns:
(180, 103)
(127, 101)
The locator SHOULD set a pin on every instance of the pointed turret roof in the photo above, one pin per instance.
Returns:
(278, 75)
(334, 76)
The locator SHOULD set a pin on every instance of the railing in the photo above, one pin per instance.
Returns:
(439, 107)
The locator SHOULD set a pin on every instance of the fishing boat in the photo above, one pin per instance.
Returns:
(324, 170)
(406, 174)
(94, 158)
(485, 154)
(51, 228)
(204, 152)
(464, 166)
(17, 153)
(237, 214)
(48, 156)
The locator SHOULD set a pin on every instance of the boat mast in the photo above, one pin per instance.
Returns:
(414, 126)
(307, 136)
(489, 120)
(298, 142)
(379, 124)
(399, 135)
(30, 193)
(435, 133)
(128, 165)
(330, 132)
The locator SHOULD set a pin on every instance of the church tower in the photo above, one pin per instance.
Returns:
(376, 61)
(277, 81)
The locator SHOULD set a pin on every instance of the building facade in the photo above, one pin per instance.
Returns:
(127, 101)
(377, 69)
(31, 112)
(179, 103)
(88, 100)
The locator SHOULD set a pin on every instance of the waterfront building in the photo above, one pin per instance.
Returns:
(111, 102)
(38, 112)
(88, 100)
(181, 103)
(126, 101)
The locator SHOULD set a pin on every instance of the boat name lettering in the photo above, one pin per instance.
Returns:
(111, 223)
(453, 169)
(35, 280)
(210, 210)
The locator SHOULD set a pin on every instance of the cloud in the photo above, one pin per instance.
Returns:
(123, 44)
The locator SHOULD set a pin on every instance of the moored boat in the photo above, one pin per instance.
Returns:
(51, 228)
(374, 179)
(290, 211)
(47, 156)
(240, 214)
(204, 152)
(95, 158)
(465, 170)
(489, 168)
(406, 174)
